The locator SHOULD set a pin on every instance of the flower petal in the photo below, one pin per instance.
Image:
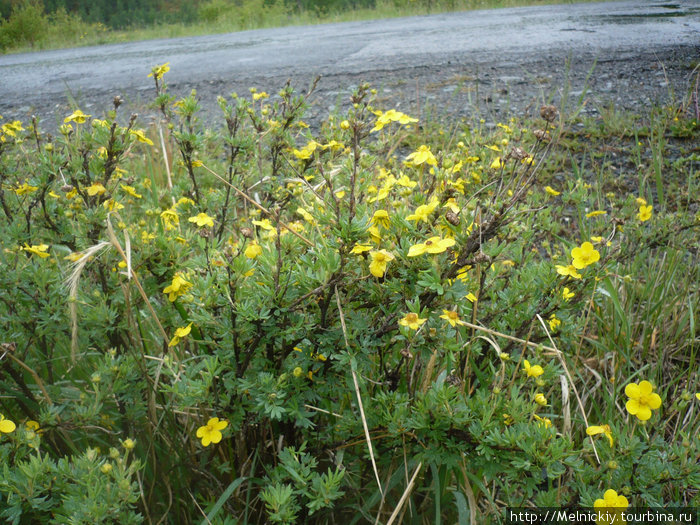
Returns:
(632, 390)
(644, 413)
(645, 388)
(7, 426)
(416, 249)
(654, 401)
(632, 406)
(594, 430)
(610, 497)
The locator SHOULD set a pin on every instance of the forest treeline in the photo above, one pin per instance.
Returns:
(115, 14)
(123, 14)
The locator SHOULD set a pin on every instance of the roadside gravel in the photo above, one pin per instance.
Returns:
(451, 87)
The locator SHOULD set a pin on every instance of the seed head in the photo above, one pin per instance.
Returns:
(519, 153)
(452, 218)
(541, 134)
(549, 113)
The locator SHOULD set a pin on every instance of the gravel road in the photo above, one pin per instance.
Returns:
(489, 62)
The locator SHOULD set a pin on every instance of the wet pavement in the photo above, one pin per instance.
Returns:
(424, 49)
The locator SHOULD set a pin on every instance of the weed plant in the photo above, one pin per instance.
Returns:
(373, 320)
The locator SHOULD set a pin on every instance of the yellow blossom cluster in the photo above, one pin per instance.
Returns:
(387, 117)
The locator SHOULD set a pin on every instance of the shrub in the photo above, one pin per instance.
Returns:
(361, 319)
(26, 25)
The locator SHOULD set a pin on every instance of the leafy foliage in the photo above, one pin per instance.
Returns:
(272, 321)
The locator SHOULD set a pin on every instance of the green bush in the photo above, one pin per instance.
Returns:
(26, 25)
(370, 318)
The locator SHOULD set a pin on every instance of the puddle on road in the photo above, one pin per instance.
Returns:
(660, 15)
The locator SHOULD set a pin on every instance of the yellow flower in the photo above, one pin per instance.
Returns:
(260, 95)
(451, 317)
(159, 71)
(37, 249)
(32, 425)
(532, 371)
(584, 255)
(307, 216)
(390, 116)
(211, 432)
(543, 421)
(601, 429)
(432, 245)
(381, 218)
(611, 500)
(422, 155)
(333, 145)
(644, 213)
(361, 248)
(540, 399)
(302, 154)
(141, 137)
(253, 250)
(265, 224)
(298, 372)
(567, 294)
(25, 189)
(381, 195)
(77, 116)
(202, 220)
(106, 468)
(451, 203)
(111, 205)
(406, 182)
(698, 396)
(471, 297)
(642, 400)
(497, 164)
(170, 219)
(306, 152)
(552, 191)
(182, 201)
(129, 444)
(180, 333)
(553, 322)
(131, 191)
(12, 128)
(374, 234)
(569, 270)
(641, 201)
(96, 189)
(423, 211)
(412, 321)
(379, 261)
(178, 287)
(596, 213)
(6, 426)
